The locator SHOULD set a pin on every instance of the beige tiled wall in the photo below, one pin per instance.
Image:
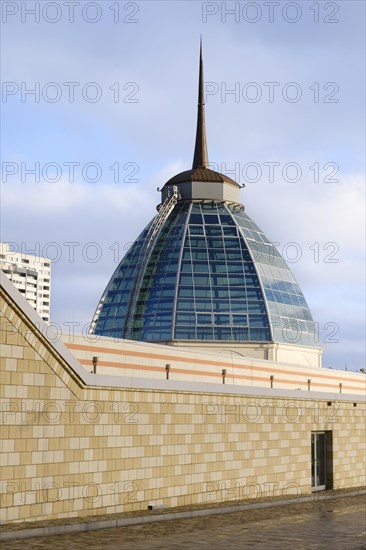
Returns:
(69, 449)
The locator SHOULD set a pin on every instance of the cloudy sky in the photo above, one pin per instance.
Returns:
(99, 110)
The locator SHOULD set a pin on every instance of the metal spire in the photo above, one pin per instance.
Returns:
(200, 159)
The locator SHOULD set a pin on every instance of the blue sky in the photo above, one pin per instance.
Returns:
(311, 51)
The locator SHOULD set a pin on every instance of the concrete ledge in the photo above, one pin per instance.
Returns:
(95, 524)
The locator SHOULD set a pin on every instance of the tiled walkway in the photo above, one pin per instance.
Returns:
(337, 524)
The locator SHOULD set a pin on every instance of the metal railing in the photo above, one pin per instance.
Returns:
(145, 253)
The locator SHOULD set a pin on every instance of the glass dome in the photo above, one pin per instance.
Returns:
(212, 275)
(203, 271)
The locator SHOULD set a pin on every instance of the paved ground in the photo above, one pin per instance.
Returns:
(338, 524)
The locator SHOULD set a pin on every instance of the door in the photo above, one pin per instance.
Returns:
(318, 461)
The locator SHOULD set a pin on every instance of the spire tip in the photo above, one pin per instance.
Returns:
(200, 159)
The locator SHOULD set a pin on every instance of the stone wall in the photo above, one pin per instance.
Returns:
(77, 444)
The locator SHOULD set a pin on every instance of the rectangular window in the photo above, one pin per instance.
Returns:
(195, 218)
(186, 279)
(226, 219)
(235, 268)
(201, 279)
(202, 292)
(219, 280)
(198, 242)
(241, 320)
(185, 292)
(232, 244)
(233, 255)
(214, 242)
(204, 319)
(230, 231)
(223, 334)
(216, 255)
(196, 230)
(185, 305)
(220, 293)
(205, 333)
(223, 306)
(218, 267)
(211, 218)
(213, 231)
(203, 305)
(222, 319)
(200, 267)
(185, 333)
(186, 319)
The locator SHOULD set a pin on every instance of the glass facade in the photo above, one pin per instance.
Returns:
(289, 314)
(212, 275)
(218, 292)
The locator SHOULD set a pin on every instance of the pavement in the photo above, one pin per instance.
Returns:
(336, 523)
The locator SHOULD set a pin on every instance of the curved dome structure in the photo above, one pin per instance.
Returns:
(202, 272)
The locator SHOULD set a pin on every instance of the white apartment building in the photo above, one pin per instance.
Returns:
(31, 275)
